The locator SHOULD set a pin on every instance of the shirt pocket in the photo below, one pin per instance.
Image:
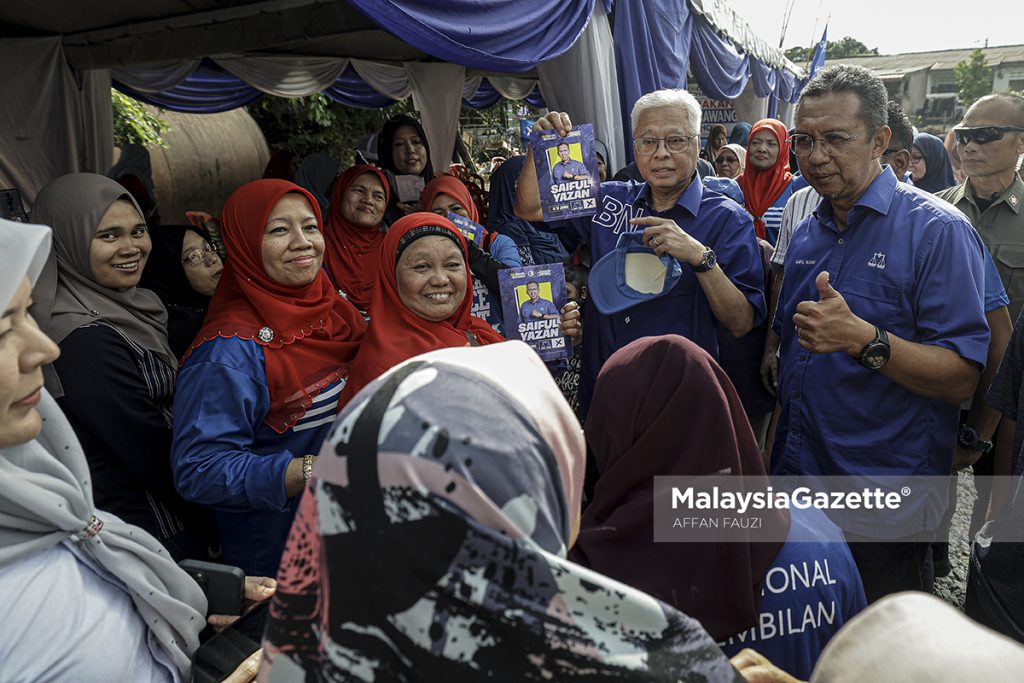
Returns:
(876, 302)
(1009, 260)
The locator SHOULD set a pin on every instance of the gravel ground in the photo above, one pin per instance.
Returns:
(953, 588)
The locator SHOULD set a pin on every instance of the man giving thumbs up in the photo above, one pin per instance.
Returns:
(882, 325)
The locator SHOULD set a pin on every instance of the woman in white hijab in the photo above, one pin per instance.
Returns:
(85, 597)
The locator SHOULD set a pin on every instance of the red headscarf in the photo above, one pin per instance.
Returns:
(643, 425)
(396, 333)
(454, 188)
(309, 334)
(762, 188)
(350, 255)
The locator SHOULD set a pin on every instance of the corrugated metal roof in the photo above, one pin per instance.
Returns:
(895, 65)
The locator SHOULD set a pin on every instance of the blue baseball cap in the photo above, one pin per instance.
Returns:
(631, 274)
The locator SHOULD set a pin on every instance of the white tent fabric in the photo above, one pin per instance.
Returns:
(391, 80)
(284, 75)
(156, 77)
(437, 94)
(512, 88)
(52, 124)
(582, 83)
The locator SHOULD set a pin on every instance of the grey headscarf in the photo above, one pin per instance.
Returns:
(46, 498)
(67, 296)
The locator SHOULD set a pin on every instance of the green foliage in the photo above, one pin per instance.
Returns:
(973, 78)
(318, 124)
(134, 124)
(835, 49)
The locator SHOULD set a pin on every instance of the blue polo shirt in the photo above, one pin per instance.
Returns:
(711, 218)
(912, 265)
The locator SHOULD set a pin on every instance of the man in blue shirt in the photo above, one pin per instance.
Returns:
(710, 235)
(882, 324)
(536, 308)
(567, 169)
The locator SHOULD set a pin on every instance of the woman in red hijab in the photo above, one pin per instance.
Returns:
(422, 300)
(354, 233)
(662, 406)
(767, 182)
(447, 194)
(258, 389)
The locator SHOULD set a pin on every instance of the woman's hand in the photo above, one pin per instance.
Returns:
(554, 120)
(247, 670)
(257, 589)
(756, 668)
(572, 324)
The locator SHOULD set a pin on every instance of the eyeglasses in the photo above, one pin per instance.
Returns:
(196, 257)
(645, 147)
(830, 145)
(983, 134)
(889, 152)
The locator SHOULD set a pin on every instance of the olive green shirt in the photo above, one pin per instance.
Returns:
(1001, 227)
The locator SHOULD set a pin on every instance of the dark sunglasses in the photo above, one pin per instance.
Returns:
(983, 134)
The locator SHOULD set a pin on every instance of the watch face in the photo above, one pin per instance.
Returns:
(875, 355)
(710, 260)
(873, 360)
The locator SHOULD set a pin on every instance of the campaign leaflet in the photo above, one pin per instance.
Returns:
(409, 188)
(531, 298)
(566, 172)
(471, 230)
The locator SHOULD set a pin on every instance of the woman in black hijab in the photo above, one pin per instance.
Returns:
(183, 269)
(403, 150)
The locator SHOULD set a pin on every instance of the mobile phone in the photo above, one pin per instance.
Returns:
(219, 656)
(223, 585)
(11, 206)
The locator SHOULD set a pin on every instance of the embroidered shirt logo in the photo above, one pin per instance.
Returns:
(877, 261)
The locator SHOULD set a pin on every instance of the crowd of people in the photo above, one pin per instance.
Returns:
(315, 387)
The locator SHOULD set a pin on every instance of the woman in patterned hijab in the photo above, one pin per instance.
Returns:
(431, 543)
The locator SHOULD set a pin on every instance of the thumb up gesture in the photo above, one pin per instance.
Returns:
(828, 325)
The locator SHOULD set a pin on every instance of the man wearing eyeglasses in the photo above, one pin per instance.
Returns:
(882, 324)
(709, 234)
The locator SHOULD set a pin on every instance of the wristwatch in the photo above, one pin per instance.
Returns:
(969, 438)
(875, 353)
(707, 263)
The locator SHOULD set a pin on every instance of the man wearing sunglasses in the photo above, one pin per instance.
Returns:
(882, 325)
(989, 141)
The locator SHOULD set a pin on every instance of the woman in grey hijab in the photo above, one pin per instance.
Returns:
(85, 596)
(115, 377)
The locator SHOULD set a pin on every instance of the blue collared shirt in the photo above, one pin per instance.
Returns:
(712, 219)
(912, 265)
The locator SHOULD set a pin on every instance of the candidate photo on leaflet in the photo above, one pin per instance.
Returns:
(536, 308)
(567, 168)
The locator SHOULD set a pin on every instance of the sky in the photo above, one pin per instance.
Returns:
(912, 26)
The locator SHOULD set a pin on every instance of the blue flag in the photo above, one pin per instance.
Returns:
(818, 58)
